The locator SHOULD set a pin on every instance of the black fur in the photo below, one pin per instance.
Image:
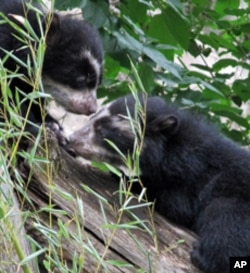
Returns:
(71, 45)
(199, 178)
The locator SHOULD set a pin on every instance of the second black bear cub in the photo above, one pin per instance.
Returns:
(199, 178)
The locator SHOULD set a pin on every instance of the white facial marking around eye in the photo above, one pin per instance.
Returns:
(93, 61)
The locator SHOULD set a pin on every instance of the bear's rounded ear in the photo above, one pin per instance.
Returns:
(54, 28)
(164, 124)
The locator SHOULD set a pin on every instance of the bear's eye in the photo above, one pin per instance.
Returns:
(100, 132)
(90, 77)
(81, 80)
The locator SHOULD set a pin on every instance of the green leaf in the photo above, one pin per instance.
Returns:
(32, 256)
(95, 12)
(193, 48)
(221, 5)
(241, 88)
(157, 26)
(119, 263)
(2, 214)
(230, 112)
(66, 4)
(100, 166)
(222, 63)
(126, 41)
(160, 59)
(136, 10)
(146, 75)
(178, 26)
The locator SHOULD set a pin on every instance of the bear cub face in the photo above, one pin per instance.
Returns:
(197, 177)
(73, 61)
(112, 124)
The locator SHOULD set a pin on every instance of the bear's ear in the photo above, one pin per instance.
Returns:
(54, 29)
(164, 124)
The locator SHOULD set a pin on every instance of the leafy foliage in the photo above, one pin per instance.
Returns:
(159, 35)
(155, 36)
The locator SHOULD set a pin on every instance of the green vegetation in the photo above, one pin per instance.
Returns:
(144, 43)
(156, 34)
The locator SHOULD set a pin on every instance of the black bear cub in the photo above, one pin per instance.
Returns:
(72, 65)
(199, 178)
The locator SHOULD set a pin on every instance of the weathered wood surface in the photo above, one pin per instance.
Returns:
(9, 260)
(68, 175)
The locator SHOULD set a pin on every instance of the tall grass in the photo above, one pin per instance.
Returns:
(12, 133)
(131, 162)
(12, 184)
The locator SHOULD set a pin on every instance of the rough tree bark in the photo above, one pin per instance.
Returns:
(9, 260)
(166, 251)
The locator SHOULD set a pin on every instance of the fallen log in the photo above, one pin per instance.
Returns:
(87, 202)
(11, 224)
